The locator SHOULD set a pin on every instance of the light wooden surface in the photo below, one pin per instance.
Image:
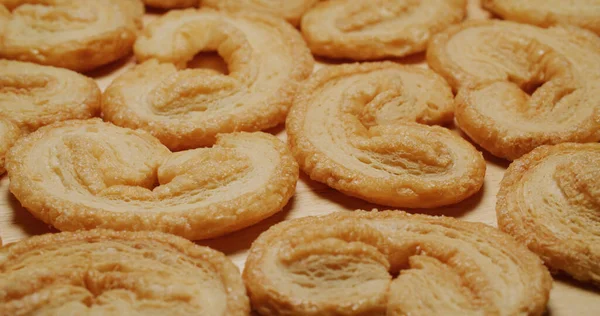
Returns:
(312, 198)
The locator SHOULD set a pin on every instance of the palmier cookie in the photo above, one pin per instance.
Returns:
(343, 264)
(549, 200)
(374, 29)
(353, 128)
(187, 108)
(9, 133)
(171, 4)
(496, 67)
(583, 13)
(290, 10)
(103, 272)
(33, 95)
(76, 34)
(90, 174)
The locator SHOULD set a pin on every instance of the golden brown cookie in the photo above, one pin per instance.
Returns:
(353, 128)
(374, 29)
(102, 272)
(521, 86)
(583, 13)
(290, 10)
(33, 95)
(392, 263)
(77, 34)
(91, 174)
(171, 4)
(187, 108)
(549, 200)
(9, 133)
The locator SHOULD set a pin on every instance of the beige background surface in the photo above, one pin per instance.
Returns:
(312, 198)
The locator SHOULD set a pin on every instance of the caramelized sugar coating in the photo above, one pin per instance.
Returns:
(103, 272)
(375, 29)
(521, 86)
(290, 10)
(549, 200)
(33, 95)
(342, 264)
(77, 34)
(9, 134)
(187, 108)
(361, 130)
(90, 174)
(171, 4)
(582, 13)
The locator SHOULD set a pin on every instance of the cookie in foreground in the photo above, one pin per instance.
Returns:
(582, 13)
(361, 129)
(90, 174)
(76, 34)
(122, 273)
(549, 200)
(376, 29)
(521, 86)
(187, 108)
(344, 264)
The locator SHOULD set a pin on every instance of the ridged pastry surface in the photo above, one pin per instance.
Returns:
(90, 174)
(549, 200)
(521, 86)
(290, 10)
(76, 34)
(583, 13)
(360, 129)
(103, 272)
(186, 108)
(343, 264)
(9, 134)
(375, 29)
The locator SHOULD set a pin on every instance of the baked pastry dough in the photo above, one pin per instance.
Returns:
(291, 10)
(549, 200)
(9, 133)
(188, 108)
(496, 67)
(375, 29)
(583, 13)
(118, 273)
(171, 4)
(76, 34)
(91, 174)
(34, 95)
(342, 264)
(353, 128)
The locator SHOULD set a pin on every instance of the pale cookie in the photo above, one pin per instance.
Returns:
(521, 86)
(375, 29)
(353, 128)
(392, 263)
(583, 13)
(171, 4)
(187, 108)
(90, 174)
(33, 95)
(9, 133)
(290, 10)
(102, 272)
(77, 34)
(549, 200)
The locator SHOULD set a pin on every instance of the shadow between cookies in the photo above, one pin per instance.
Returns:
(24, 220)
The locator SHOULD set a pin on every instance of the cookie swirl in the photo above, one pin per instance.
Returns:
(375, 29)
(353, 127)
(90, 174)
(549, 200)
(342, 264)
(187, 108)
(521, 86)
(105, 272)
(80, 35)
(290, 10)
